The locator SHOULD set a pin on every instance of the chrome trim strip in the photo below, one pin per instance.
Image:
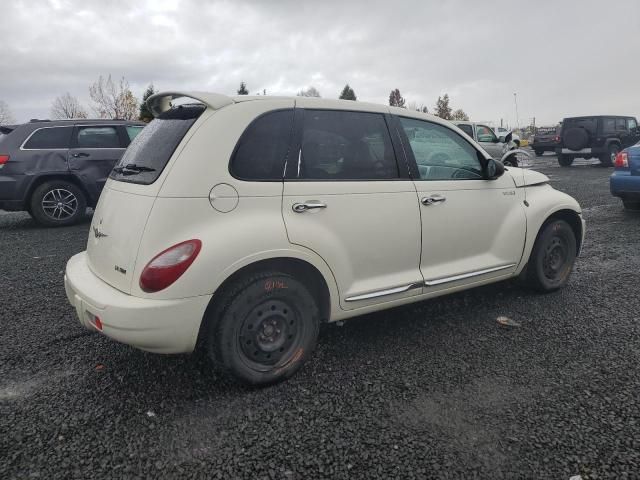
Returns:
(37, 130)
(382, 293)
(462, 276)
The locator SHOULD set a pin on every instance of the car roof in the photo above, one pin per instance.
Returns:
(599, 116)
(82, 121)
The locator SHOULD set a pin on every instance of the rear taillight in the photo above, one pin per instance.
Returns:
(3, 159)
(166, 267)
(622, 160)
(557, 138)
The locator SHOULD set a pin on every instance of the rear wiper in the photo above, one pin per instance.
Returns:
(132, 169)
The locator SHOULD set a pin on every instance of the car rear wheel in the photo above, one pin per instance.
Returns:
(564, 161)
(510, 161)
(609, 157)
(58, 203)
(631, 205)
(552, 257)
(539, 153)
(263, 328)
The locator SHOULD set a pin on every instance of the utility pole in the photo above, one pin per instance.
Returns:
(515, 100)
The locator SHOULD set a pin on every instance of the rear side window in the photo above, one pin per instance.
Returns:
(263, 147)
(339, 145)
(49, 138)
(133, 131)
(98, 137)
(151, 150)
(468, 129)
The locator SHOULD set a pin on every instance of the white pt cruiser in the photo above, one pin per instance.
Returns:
(242, 223)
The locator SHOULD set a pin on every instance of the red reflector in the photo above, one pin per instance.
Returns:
(4, 159)
(622, 160)
(166, 267)
(98, 323)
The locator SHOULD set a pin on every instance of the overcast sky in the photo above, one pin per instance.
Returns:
(561, 57)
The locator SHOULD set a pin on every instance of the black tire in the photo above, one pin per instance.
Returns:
(564, 161)
(263, 328)
(631, 205)
(539, 153)
(608, 158)
(552, 257)
(575, 138)
(510, 161)
(58, 203)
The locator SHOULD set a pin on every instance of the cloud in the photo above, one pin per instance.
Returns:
(562, 58)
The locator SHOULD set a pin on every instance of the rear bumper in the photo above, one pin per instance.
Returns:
(160, 326)
(591, 152)
(624, 185)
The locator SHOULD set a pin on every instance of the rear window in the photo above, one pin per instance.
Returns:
(152, 148)
(590, 124)
(133, 131)
(545, 130)
(49, 138)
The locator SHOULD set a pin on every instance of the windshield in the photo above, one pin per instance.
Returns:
(152, 148)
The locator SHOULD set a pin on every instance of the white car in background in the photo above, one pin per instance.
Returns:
(240, 224)
(501, 147)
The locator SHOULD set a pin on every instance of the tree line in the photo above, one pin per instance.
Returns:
(113, 99)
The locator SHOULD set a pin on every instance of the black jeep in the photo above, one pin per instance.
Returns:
(56, 169)
(601, 137)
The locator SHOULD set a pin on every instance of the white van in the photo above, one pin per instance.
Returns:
(242, 223)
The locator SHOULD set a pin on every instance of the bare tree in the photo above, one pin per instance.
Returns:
(459, 114)
(6, 117)
(67, 106)
(309, 92)
(113, 101)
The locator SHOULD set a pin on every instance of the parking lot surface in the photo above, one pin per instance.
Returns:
(434, 390)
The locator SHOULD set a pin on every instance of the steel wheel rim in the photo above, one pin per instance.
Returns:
(555, 258)
(59, 204)
(270, 335)
(613, 153)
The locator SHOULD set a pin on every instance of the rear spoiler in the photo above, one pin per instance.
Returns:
(161, 102)
(7, 129)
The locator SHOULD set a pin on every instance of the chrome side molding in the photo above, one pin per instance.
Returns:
(462, 276)
(382, 293)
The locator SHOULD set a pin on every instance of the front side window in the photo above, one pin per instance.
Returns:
(485, 134)
(263, 147)
(49, 138)
(441, 153)
(341, 145)
(98, 137)
(621, 124)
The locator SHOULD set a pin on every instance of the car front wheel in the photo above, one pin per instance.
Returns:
(263, 328)
(608, 158)
(552, 257)
(58, 203)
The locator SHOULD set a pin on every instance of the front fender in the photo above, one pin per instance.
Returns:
(543, 202)
(521, 157)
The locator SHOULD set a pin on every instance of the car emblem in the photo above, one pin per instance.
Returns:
(98, 234)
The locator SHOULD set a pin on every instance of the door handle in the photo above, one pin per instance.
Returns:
(310, 205)
(78, 155)
(433, 199)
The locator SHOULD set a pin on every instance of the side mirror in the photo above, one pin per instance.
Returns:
(493, 169)
(508, 137)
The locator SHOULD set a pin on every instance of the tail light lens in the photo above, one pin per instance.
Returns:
(166, 267)
(3, 159)
(622, 160)
(557, 138)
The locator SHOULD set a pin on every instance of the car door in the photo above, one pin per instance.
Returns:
(489, 141)
(95, 149)
(348, 199)
(473, 229)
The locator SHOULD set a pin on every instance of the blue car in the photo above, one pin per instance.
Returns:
(625, 180)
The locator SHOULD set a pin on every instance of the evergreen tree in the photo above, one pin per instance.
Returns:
(145, 113)
(243, 89)
(442, 109)
(460, 115)
(395, 99)
(348, 93)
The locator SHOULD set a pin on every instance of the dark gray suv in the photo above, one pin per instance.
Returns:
(56, 169)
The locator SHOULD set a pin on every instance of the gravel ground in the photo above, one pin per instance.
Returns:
(434, 390)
